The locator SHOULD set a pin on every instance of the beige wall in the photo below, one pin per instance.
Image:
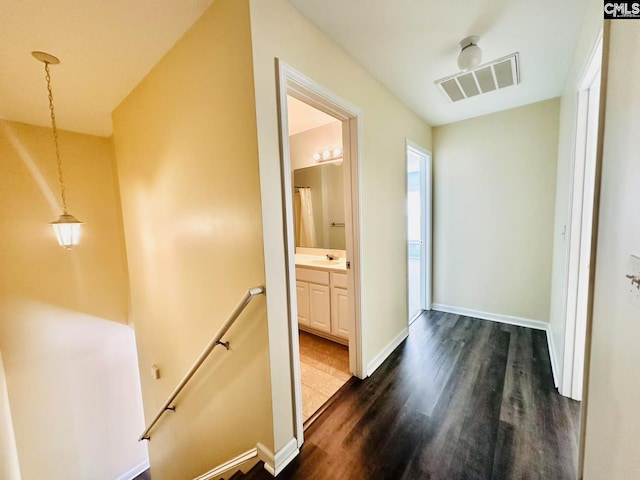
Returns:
(494, 189)
(185, 142)
(280, 31)
(613, 418)
(69, 357)
(591, 26)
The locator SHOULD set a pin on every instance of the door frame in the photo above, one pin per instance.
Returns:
(292, 82)
(426, 179)
(584, 161)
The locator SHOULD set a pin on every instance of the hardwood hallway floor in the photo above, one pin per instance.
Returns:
(460, 399)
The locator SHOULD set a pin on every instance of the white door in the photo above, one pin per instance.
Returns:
(418, 230)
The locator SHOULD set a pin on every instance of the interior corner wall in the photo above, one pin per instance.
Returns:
(69, 356)
(612, 414)
(591, 27)
(280, 31)
(186, 150)
(494, 191)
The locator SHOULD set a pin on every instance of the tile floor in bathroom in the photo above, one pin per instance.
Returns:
(324, 367)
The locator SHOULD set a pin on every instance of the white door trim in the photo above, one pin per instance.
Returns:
(290, 81)
(427, 234)
(583, 177)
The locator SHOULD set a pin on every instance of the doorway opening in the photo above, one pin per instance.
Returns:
(322, 296)
(418, 230)
(581, 226)
(319, 154)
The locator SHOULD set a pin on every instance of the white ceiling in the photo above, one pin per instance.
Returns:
(107, 47)
(303, 117)
(409, 44)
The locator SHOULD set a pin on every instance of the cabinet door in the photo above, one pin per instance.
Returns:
(302, 294)
(319, 307)
(340, 312)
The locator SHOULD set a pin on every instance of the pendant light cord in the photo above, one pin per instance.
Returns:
(55, 137)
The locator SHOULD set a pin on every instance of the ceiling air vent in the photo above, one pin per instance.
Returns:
(500, 73)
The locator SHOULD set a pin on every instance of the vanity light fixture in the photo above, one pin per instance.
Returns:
(329, 155)
(66, 227)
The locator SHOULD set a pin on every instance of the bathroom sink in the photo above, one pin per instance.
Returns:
(322, 261)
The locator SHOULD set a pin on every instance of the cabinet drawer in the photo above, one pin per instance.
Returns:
(312, 276)
(339, 280)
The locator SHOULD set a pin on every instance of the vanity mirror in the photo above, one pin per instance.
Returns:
(319, 206)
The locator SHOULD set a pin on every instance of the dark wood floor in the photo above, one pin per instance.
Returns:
(146, 475)
(460, 399)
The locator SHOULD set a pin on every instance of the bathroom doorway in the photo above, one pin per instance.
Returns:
(322, 294)
(319, 153)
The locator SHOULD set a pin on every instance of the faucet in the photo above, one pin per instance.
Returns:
(331, 256)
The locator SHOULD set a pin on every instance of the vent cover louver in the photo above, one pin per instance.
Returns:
(500, 73)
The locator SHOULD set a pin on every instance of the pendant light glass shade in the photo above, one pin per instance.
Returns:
(67, 229)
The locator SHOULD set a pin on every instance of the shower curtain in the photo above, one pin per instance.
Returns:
(305, 229)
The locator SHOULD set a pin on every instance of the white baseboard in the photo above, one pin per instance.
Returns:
(232, 464)
(267, 456)
(379, 359)
(518, 321)
(552, 356)
(135, 471)
(494, 317)
(275, 463)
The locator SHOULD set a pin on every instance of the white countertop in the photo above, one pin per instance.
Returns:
(320, 262)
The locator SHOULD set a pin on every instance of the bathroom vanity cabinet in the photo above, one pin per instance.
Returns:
(323, 303)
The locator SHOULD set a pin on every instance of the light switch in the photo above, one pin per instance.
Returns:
(633, 279)
(155, 372)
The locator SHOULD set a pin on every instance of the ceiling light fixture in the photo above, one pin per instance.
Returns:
(66, 227)
(471, 54)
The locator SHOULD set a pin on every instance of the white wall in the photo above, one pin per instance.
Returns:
(591, 26)
(9, 466)
(69, 355)
(280, 31)
(613, 417)
(494, 188)
(74, 393)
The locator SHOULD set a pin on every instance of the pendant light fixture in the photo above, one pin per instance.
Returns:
(470, 53)
(66, 227)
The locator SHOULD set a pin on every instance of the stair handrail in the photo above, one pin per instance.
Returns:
(215, 341)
